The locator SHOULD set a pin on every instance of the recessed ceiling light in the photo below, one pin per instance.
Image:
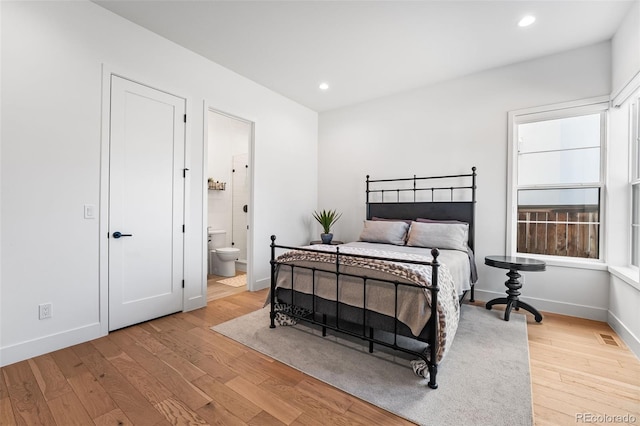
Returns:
(323, 86)
(526, 21)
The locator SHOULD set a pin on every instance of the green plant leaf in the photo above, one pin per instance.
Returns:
(326, 218)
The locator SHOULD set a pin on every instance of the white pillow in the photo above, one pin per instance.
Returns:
(375, 231)
(450, 236)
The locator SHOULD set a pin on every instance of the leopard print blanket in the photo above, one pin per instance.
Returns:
(448, 305)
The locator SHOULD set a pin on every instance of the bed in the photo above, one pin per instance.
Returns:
(404, 279)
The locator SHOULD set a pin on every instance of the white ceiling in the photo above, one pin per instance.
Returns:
(369, 49)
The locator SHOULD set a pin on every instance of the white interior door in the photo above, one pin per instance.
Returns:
(146, 203)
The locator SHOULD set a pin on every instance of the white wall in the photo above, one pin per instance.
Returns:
(52, 54)
(448, 128)
(625, 49)
(624, 292)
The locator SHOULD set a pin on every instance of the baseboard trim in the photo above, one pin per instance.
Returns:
(53, 342)
(241, 265)
(545, 305)
(630, 339)
(260, 284)
(195, 302)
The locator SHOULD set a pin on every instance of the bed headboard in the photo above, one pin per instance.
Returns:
(450, 197)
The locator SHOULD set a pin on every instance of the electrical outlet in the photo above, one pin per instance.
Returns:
(44, 311)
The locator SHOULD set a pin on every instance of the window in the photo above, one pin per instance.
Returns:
(635, 183)
(557, 180)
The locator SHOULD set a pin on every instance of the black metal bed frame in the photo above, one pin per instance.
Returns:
(464, 211)
(440, 210)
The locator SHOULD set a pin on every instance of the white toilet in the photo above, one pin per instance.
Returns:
(222, 260)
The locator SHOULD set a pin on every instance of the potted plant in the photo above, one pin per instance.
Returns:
(326, 218)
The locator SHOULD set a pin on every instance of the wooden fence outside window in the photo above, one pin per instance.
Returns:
(559, 231)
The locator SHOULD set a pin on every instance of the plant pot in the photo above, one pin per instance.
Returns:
(326, 238)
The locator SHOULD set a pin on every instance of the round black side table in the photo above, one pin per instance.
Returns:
(332, 243)
(514, 264)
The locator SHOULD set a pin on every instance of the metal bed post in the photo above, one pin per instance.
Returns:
(272, 314)
(473, 221)
(337, 288)
(435, 320)
(364, 310)
(414, 188)
(367, 196)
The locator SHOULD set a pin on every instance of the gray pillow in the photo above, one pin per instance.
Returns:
(384, 232)
(450, 236)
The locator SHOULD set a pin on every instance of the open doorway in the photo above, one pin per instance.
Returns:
(229, 178)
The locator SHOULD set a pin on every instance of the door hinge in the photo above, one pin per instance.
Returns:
(182, 283)
(185, 118)
(184, 172)
(183, 228)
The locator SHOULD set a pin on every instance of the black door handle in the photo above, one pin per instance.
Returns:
(119, 234)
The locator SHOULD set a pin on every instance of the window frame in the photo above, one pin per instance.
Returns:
(549, 112)
(634, 168)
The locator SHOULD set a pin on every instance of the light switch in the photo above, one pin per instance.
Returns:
(89, 211)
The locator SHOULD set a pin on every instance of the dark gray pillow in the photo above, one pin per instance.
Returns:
(421, 219)
(407, 221)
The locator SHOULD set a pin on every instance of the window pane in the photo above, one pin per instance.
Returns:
(562, 133)
(635, 202)
(575, 198)
(559, 167)
(635, 137)
(635, 247)
(559, 222)
(635, 226)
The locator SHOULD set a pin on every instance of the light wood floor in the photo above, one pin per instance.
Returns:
(174, 370)
(216, 290)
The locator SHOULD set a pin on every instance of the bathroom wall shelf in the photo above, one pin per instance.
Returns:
(216, 186)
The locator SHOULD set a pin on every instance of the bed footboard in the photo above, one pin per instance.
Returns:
(318, 313)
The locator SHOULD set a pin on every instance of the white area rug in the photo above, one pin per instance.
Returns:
(237, 281)
(484, 380)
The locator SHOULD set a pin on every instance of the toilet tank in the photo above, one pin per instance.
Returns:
(217, 238)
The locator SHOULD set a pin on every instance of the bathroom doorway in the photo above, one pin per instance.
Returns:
(228, 183)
